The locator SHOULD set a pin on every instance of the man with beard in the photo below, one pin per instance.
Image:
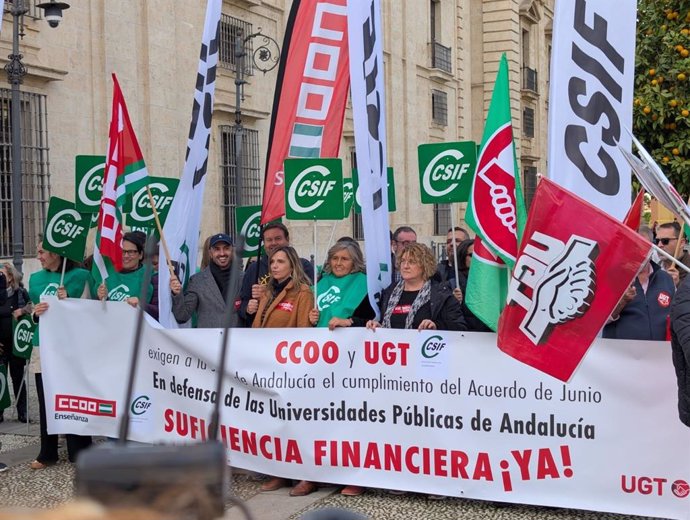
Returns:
(208, 290)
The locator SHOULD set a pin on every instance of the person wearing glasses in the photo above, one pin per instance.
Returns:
(125, 285)
(643, 311)
(667, 236)
(401, 237)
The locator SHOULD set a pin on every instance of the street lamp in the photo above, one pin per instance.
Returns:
(265, 58)
(15, 76)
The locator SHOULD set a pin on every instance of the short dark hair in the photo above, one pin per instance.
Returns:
(276, 225)
(458, 228)
(403, 229)
(670, 225)
(137, 238)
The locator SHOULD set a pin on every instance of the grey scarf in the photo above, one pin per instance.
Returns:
(423, 296)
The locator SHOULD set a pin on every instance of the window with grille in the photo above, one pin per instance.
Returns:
(529, 174)
(35, 172)
(231, 29)
(439, 107)
(441, 219)
(249, 166)
(528, 122)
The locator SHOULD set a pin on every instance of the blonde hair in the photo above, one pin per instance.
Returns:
(421, 255)
(16, 276)
(298, 275)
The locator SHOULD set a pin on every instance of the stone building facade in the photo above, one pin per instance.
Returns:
(441, 57)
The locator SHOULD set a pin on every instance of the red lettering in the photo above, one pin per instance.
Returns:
(280, 357)
(372, 459)
(320, 452)
(169, 423)
(546, 465)
(483, 468)
(458, 464)
(522, 459)
(411, 467)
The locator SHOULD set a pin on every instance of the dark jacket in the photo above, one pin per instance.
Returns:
(680, 346)
(645, 317)
(445, 273)
(446, 312)
(8, 304)
(250, 278)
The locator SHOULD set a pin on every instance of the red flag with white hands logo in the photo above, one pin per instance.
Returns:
(575, 263)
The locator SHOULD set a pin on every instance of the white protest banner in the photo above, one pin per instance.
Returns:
(434, 412)
(591, 100)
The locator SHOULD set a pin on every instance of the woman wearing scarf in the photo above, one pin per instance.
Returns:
(342, 291)
(286, 302)
(17, 304)
(417, 301)
(46, 282)
(125, 285)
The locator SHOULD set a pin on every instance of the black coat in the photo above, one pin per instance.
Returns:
(446, 312)
(680, 346)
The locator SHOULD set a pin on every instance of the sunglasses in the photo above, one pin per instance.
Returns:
(664, 241)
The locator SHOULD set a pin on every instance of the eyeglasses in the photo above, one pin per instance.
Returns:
(664, 241)
(406, 242)
(130, 252)
(469, 255)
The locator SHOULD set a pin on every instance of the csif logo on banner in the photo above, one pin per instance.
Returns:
(314, 189)
(66, 230)
(140, 405)
(445, 171)
(89, 171)
(433, 346)
(139, 212)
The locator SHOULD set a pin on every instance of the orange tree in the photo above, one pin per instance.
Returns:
(661, 113)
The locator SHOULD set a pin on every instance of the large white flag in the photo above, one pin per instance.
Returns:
(365, 38)
(184, 219)
(590, 103)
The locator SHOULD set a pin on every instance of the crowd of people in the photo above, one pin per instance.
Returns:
(275, 291)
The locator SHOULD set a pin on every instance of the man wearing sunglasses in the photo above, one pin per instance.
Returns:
(667, 236)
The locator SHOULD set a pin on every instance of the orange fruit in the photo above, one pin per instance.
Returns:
(673, 103)
(669, 16)
(675, 151)
(685, 53)
(654, 117)
(655, 82)
(646, 110)
(685, 32)
(637, 102)
(672, 126)
(685, 113)
(666, 159)
(652, 72)
(681, 77)
(678, 47)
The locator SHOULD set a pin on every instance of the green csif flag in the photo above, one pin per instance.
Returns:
(23, 336)
(495, 210)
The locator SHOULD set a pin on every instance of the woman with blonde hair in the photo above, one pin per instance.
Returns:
(417, 301)
(286, 302)
(15, 306)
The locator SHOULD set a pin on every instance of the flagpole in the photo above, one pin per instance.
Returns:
(671, 258)
(316, 294)
(64, 267)
(168, 260)
(455, 246)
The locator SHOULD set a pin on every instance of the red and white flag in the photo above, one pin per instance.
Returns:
(310, 95)
(634, 217)
(125, 172)
(574, 265)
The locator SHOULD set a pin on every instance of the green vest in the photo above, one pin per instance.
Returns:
(46, 283)
(339, 297)
(123, 285)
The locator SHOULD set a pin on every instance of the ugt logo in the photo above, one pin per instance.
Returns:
(554, 282)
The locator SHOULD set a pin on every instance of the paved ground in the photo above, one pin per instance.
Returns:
(23, 487)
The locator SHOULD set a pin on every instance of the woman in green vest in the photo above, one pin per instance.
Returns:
(342, 290)
(125, 285)
(342, 299)
(46, 282)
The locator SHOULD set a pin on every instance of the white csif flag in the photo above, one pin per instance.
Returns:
(591, 99)
(184, 219)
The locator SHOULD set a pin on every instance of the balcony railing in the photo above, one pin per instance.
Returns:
(440, 57)
(529, 80)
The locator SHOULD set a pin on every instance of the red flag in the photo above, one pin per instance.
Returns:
(311, 92)
(634, 216)
(575, 263)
